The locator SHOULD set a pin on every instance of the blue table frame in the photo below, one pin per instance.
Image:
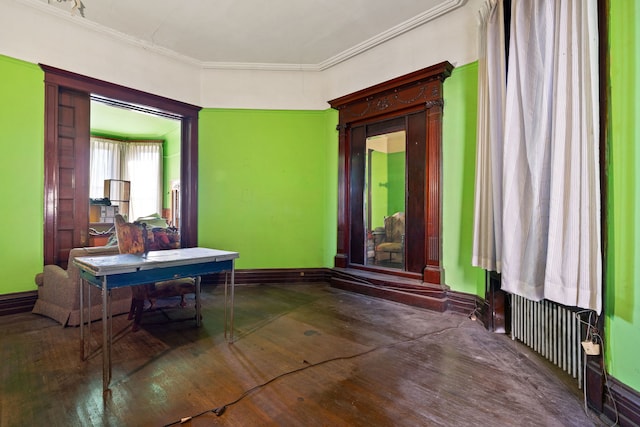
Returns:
(114, 271)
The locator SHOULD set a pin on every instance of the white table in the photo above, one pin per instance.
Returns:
(115, 271)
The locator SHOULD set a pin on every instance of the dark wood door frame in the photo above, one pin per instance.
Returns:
(187, 114)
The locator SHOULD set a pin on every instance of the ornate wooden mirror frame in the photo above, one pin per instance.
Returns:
(415, 103)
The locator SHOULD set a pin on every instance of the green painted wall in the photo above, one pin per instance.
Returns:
(622, 322)
(379, 188)
(387, 186)
(171, 165)
(267, 186)
(21, 174)
(458, 176)
(397, 179)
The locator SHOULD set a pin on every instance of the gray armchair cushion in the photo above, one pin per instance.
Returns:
(59, 291)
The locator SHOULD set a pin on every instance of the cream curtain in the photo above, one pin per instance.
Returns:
(143, 167)
(487, 248)
(138, 162)
(104, 164)
(550, 183)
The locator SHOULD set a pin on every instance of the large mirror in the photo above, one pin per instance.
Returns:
(389, 179)
(385, 201)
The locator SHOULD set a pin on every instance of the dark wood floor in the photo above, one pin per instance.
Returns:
(305, 355)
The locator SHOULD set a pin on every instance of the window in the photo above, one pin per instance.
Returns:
(137, 161)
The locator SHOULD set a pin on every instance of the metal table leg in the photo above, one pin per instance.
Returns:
(233, 293)
(106, 338)
(229, 304)
(198, 303)
(82, 346)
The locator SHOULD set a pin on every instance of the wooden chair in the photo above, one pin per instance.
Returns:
(136, 238)
(391, 247)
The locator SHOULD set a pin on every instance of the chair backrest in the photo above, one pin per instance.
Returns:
(131, 236)
(394, 227)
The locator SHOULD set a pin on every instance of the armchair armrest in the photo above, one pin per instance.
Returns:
(59, 296)
(56, 286)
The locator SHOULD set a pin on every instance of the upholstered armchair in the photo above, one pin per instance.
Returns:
(59, 291)
(390, 245)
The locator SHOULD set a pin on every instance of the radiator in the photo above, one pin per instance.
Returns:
(550, 329)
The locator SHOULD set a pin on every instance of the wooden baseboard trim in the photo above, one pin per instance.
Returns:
(404, 290)
(627, 403)
(400, 289)
(436, 303)
(467, 304)
(18, 302)
(21, 302)
(269, 275)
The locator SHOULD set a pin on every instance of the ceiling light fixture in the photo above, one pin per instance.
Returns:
(78, 6)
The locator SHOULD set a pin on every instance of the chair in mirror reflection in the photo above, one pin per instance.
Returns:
(389, 242)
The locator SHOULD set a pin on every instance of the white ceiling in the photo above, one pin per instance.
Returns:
(314, 34)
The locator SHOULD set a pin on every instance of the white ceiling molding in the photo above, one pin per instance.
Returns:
(258, 66)
(442, 8)
(429, 15)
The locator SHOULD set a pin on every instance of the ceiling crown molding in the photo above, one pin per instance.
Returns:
(259, 66)
(418, 20)
(443, 8)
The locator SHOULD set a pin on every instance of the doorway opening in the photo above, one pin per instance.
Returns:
(67, 155)
(134, 167)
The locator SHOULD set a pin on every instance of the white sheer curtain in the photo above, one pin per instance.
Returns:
(487, 248)
(138, 162)
(104, 164)
(550, 184)
(143, 167)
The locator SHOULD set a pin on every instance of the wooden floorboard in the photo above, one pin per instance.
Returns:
(304, 355)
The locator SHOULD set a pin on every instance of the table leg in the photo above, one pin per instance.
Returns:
(89, 319)
(82, 347)
(198, 303)
(233, 293)
(229, 296)
(110, 321)
(106, 347)
(226, 302)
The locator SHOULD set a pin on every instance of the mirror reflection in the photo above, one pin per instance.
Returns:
(385, 200)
